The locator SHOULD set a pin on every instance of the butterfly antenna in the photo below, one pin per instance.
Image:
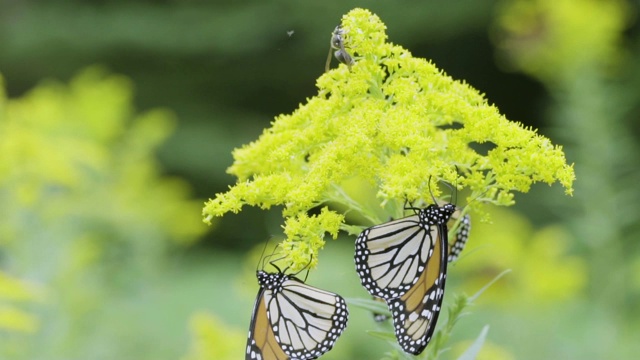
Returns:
(409, 206)
(452, 191)
(273, 263)
(262, 254)
(431, 193)
(306, 267)
(456, 186)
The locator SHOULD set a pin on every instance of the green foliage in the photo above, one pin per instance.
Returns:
(592, 102)
(543, 267)
(14, 295)
(214, 340)
(395, 122)
(86, 212)
(438, 346)
(579, 273)
(560, 40)
(473, 351)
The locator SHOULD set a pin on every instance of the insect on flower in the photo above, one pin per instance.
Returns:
(337, 43)
(292, 320)
(404, 262)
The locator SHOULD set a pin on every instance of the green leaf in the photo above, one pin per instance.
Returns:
(479, 292)
(474, 349)
(369, 304)
(384, 335)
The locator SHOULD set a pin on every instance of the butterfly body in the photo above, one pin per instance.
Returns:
(462, 235)
(404, 262)
(292, 320)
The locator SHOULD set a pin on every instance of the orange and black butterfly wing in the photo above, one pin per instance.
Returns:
(261, 342)
(306, 320)
(454, 249)
(416, 312)
(390, 257)
(292, 320)
(405, 263)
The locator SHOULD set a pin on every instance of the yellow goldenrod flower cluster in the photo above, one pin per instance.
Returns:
(397, 123)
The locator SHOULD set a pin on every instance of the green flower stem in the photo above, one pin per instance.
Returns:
(341, 197)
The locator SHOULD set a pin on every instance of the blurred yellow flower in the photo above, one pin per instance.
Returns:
(542, 270)
(554, 39)
(212, 339)
(85, 207)
(14, 294)
(15, 320)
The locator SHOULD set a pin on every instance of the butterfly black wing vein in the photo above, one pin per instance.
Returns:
(404, 262)
(293, 320)
(386, 257)
(455, 248)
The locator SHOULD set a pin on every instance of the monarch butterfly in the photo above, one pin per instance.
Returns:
(455, 248)
(404, 262)
(292, 320)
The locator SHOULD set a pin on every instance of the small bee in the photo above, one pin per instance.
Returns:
(337, 43)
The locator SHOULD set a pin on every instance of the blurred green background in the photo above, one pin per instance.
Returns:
(118, 119)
